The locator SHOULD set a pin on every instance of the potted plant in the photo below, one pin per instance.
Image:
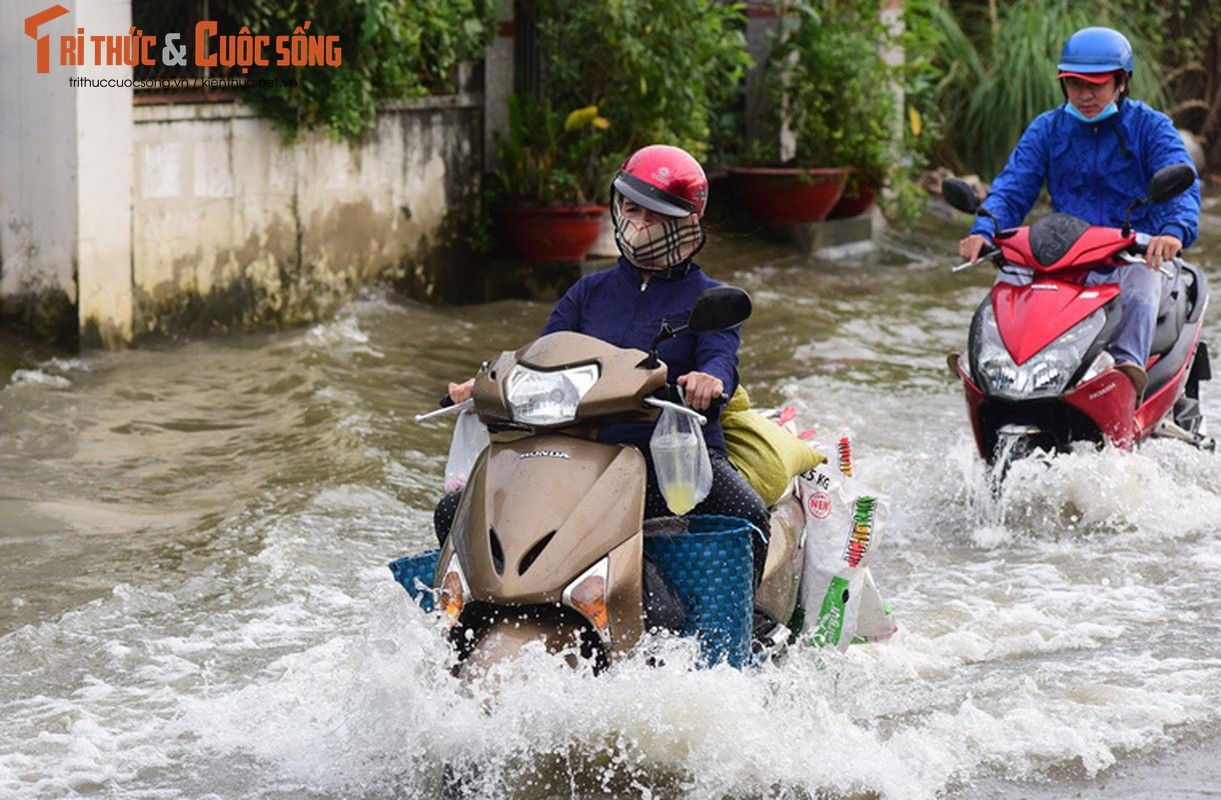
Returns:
(549, 179)
(830, 125)
(673, 67)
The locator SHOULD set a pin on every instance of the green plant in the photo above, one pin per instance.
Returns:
(1185, 38)
(829, 89)
(998, 67)
(391, 50)
(663, 71)
(833, 100)
(549, 159)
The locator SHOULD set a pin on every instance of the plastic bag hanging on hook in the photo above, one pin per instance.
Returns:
(680, 459)
(470, 438)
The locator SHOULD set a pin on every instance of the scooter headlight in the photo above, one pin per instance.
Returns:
(548, 398)
(1046, 374)
(1102, 362)
(587, 595)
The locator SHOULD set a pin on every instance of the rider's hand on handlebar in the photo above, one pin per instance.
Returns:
(461, 392)
(1162, 248)
(699, 388)
(970, 247)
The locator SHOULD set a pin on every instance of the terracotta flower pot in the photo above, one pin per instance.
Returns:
(788, 194)
(856, 200)
(552, 233)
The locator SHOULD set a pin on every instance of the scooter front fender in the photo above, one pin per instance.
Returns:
(539, 511)
(1109, 401)
(974, 397)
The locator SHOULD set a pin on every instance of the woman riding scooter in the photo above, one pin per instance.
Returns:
(1097, 153)
(658, 200)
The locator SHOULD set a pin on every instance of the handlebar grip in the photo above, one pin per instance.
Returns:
(669, 392)
(446, 401)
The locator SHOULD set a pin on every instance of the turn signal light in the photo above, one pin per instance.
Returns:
(587, 595)
(453, 593)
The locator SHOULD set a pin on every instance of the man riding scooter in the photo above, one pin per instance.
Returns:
(1096, 154)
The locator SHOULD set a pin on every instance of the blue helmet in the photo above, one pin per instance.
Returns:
(1091, 51)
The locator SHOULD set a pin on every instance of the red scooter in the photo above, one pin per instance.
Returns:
(1039, 376)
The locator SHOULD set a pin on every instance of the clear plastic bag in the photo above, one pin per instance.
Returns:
(680, 458)
(470, 438)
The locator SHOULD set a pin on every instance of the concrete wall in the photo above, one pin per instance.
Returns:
(118, 221)
(233, 229)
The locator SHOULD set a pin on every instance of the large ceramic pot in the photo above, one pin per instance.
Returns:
(856, 200)
(552, 233)
(788, 194)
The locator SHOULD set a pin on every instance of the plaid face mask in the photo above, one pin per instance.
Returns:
(659, 244)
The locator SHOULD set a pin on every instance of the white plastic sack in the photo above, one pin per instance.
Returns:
(843, 525)
(874, 620)
(680, 458)
(470, 438)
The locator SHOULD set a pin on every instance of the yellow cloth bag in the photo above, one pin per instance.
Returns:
(767, 455)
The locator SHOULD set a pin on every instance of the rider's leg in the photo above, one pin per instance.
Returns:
(1140, 290)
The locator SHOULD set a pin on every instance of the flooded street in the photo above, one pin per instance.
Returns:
(194, 599)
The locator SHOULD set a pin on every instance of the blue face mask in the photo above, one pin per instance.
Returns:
(1110, 111)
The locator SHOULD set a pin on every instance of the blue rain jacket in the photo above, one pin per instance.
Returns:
(616, 306)
(1094, 171)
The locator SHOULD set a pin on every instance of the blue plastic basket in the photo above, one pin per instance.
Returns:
(710, 566)
(424, 567)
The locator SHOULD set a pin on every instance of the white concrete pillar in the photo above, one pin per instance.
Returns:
(65, 168)
(760, 23)
(37, 166)
(104, 130)
(498, 71)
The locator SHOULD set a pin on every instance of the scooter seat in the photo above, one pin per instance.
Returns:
(1172, 312)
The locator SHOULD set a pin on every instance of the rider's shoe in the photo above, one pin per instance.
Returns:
(1136, 373)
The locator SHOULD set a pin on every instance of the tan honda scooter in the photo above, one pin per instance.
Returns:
(547, 541)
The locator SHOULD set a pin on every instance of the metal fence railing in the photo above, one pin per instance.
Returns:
(162, 81)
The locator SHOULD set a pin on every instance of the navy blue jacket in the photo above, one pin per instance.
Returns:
(618, 307)
(1094, 171)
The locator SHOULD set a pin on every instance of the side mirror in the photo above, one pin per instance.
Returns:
(718, 308)
(959, 194)
(715, 309)
(1169, 182)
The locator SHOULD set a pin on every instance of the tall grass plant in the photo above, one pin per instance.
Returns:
(1000, 69)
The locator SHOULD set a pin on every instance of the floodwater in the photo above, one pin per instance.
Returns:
(194, 599)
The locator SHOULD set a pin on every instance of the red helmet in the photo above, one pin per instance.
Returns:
(664, 179)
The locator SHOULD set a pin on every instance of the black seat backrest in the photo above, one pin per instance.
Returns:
(1171, 312)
